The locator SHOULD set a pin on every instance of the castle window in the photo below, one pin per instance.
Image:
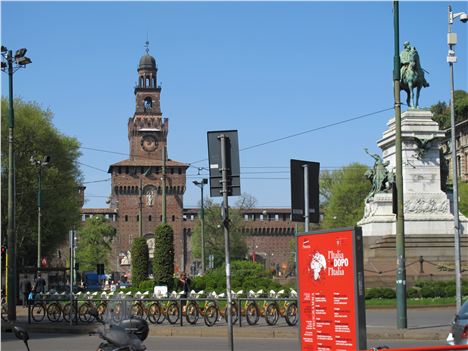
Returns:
(126, 218)
(246, 217)
(126, 170)
(180, 171)
(149, 218)
(276, 217)
(119, 169)
(148, 104)
(173, 218)
(138, 218)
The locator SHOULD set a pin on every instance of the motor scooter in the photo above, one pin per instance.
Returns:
(128, 335)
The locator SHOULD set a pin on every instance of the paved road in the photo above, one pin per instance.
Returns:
(417, 317)
(52, 342)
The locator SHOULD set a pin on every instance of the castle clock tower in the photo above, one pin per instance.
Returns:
(137, 182)
(147, 130)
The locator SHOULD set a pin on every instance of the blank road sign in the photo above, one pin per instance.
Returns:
(232, 162)
(297, 190)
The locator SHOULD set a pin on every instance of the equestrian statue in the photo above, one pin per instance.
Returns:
(411, 74)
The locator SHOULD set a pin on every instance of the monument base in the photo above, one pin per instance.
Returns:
(428, 257)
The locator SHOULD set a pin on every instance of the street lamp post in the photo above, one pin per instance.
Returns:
(12, 64)
(39, 164)
(451, 59)
(201, 184)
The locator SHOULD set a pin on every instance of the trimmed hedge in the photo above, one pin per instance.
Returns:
(146, 285)
(140, 260)
(422, 289)
(163, 260)
(245, 275)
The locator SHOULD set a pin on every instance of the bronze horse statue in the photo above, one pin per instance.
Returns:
(413, 77)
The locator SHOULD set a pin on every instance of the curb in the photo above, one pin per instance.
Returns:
(247, 332)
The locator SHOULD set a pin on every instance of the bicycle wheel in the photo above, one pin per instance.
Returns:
(117, 312)
(54, 312)
(211, 315)
(38, 312)
(233, 313)
(69, 312)
(291, 315)
(191, 313)
(84, 312)
(101, 310)
(137, 310)
(272, 313)
(154, 312)
(172, 313)
(252, 314)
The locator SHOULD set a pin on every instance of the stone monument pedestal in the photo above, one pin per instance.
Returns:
(426, 206)
(429, 223)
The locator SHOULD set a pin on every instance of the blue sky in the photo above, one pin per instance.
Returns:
(267, 69)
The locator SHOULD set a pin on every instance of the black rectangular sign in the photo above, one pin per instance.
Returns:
(297, 191)
(232, 162)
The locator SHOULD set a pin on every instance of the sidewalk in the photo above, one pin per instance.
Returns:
(258, 331)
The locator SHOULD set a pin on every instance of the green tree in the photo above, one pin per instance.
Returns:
(441, 110)
(346, 204)
(163, 259)
(327, 180)
(36, 136)
(214, 235)
(463, 195)
(94, 243)
(140, 260)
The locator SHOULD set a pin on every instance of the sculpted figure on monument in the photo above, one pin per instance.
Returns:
(411, 74)
(379, 176)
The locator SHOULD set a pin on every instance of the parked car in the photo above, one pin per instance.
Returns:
(459, 330)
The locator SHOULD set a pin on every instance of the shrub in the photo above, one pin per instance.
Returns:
(163, 261)
(245, 275)
(140, 261)
(413, 293)
(147, 285)
(380, 293)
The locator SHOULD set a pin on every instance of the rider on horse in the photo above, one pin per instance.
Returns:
(409, 59)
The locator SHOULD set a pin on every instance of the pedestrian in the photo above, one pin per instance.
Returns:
(184, 285)
(39, 286)
(25, 288)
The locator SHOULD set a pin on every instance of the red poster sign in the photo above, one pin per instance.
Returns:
(331, 291)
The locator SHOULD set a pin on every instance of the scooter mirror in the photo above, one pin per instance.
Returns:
(21, 333)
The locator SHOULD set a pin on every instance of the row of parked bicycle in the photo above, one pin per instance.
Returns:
(157, 308)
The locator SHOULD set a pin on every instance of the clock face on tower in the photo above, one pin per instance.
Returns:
(149, 143)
